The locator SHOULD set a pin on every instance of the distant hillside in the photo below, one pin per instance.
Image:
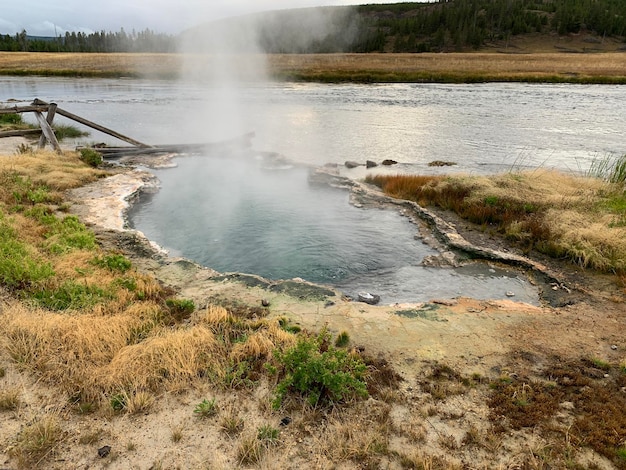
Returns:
(453, 25)
(444, 26)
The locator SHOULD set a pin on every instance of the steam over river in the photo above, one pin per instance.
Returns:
(236, 214)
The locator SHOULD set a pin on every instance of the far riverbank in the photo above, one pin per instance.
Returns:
(476, 67)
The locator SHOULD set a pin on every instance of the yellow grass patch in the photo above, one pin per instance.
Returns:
(171, 359)
(57, 172)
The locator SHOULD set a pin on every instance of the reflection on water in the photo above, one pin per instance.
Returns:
(233, 214)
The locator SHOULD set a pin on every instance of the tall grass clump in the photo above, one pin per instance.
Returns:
(611, 169)
(36, 442)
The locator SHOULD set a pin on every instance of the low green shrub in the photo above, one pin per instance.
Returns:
(320, 374)
(206, 408)
(91, 157)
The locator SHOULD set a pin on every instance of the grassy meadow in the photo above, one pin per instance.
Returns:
(608, 67)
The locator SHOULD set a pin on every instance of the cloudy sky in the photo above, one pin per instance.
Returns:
(44, 17)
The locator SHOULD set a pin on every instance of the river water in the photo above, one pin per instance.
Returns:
(236, 213)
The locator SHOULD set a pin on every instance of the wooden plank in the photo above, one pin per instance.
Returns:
(95, 126)
(114, 152)
(49, 118)
(20, 133)
(48, 132)
(24, 109)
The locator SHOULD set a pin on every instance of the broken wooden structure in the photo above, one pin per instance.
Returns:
(39, 107)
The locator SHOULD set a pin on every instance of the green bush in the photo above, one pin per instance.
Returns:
(91, 157)
(320, 374)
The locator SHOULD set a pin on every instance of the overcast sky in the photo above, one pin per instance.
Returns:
(44, 17)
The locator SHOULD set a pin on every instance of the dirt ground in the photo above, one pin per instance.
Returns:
(583, 315)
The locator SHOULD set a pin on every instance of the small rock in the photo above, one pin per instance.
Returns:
(606, 376)
(388, 162)
(351, 164)
(104, 451)
(614, 347)
(366, 297)
(370, 164)
(285, 421)
(265, 303)
(510, 294)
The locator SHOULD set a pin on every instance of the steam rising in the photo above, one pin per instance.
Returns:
(226, 57)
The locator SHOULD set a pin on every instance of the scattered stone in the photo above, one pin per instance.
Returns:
(351, 164)
(370, 164)
(285, 421)
(614, 347)
(389, 162)
(366, 297)
(441, 163)
(265, 303)
(104, 451)
(446, 302)
(510, 294)
(329, 303)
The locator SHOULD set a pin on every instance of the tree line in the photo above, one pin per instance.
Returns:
(102, 41)
(445, 25)
(462, 24)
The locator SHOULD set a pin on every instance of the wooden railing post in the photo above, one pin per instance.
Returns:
(52, 109)
(48, 133)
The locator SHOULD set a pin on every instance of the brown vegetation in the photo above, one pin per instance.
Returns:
(427, 67)
(564, 216)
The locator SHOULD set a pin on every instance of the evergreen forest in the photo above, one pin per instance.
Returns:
(442, 26)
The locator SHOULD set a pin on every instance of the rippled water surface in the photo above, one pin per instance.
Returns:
(234, 214)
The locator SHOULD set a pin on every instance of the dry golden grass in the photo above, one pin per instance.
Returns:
(560, 214)
(539, 66)
(168, 358)
(57, 172)
(494, 65)
(10, 399)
